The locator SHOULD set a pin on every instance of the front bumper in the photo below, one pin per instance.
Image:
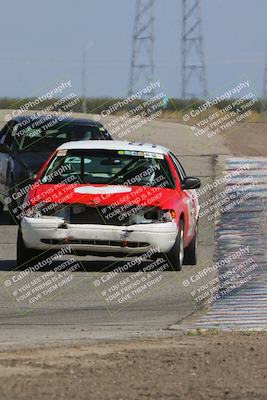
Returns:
(46, 232)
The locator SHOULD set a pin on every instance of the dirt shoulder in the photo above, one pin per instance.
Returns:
(248, 139)
(202, 366)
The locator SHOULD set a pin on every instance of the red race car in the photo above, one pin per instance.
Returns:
(111, 198)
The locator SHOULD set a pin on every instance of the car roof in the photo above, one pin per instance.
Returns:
(80, 121)
(113, 145)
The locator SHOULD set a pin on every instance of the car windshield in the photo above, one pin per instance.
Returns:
(112, 167)
(48, 135)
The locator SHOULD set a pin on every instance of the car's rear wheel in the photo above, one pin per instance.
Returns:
(176, 254)
(190, 252)
(26, 257)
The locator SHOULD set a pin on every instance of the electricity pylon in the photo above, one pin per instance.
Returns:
(84, 108)
(264, 93)
(194, 84)
(142, 63)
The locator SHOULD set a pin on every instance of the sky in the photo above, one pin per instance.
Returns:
(43, 42)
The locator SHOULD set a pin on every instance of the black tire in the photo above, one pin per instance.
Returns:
(13, 216)
(12, 219)
(1, 207)
(190, 252)
(176, 254)
(26, 257)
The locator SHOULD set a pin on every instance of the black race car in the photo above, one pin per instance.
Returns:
(25, 144)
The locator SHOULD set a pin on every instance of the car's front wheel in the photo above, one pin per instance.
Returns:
(176, 254)
(190, 252)
(1, 207)
(12, 210)
(25, 256)
(12, 218)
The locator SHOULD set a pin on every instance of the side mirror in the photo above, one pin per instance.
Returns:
(4, 148)
(191, 183)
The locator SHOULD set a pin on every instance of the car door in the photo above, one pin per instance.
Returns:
(189, 199)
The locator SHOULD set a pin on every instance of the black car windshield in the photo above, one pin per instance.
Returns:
(48, 136)
(113, 167)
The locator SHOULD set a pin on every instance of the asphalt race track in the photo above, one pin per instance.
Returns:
(78, 311)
